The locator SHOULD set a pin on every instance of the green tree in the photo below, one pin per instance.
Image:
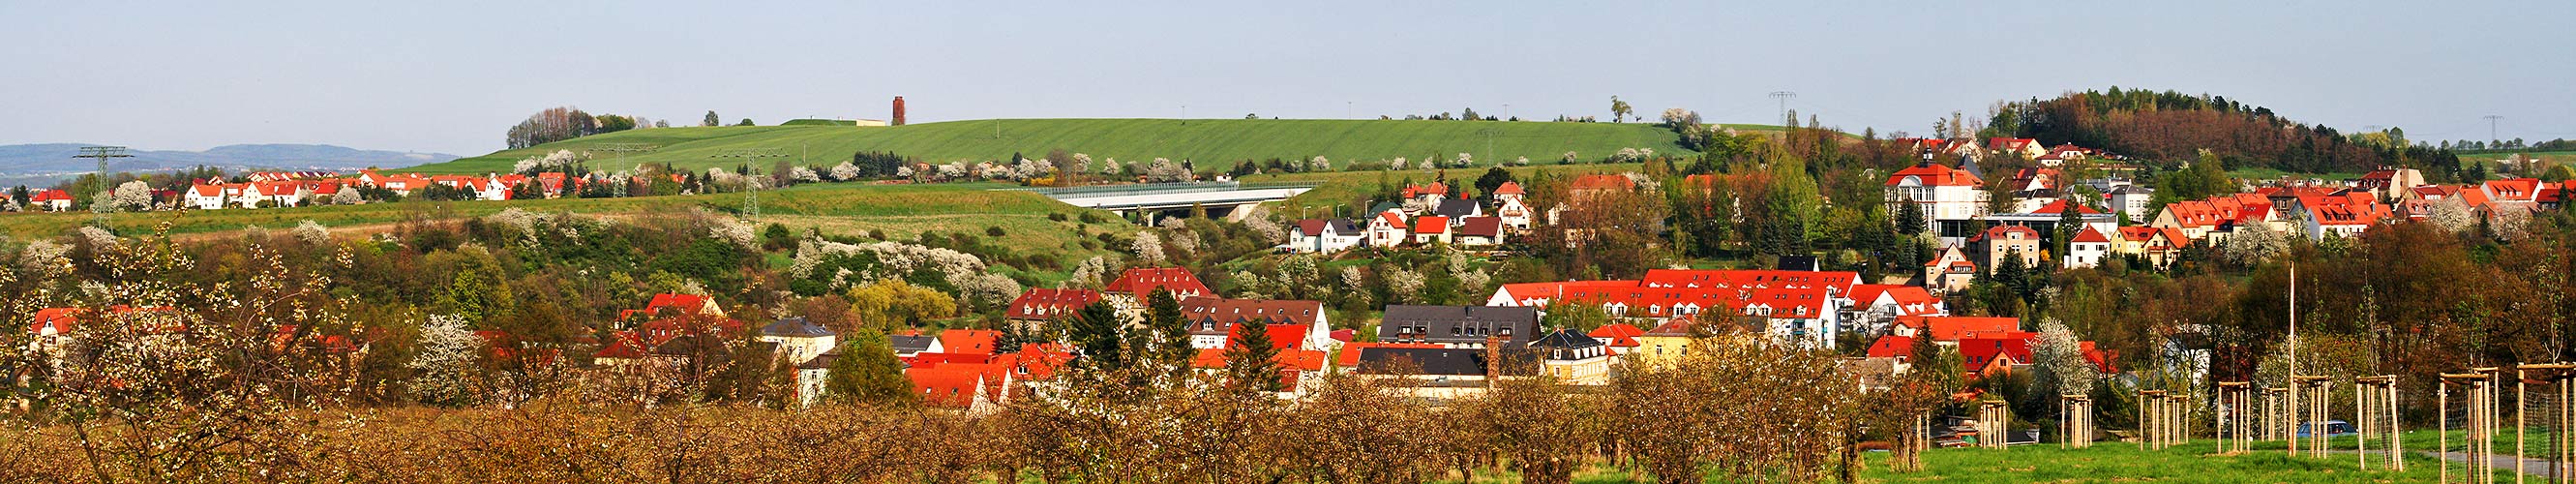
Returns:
(1494, 179)
(1171, 330)
(868, 373)
(1251, 359)
(712, 120)
(1909, 218)
(745, 122)
(1097, 332)
(1619, 110)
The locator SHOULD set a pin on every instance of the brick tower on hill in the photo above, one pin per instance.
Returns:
(898, 110)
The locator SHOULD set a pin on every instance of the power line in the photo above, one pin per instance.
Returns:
(2491, 128)
(751, 190)
(1784, 97)
(102, 153)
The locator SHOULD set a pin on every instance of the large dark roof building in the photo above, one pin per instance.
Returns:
(1458, 326)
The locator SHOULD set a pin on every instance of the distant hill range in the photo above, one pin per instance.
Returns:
(1211, 142)
(54, 161)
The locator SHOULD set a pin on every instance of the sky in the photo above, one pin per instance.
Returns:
(452, 76)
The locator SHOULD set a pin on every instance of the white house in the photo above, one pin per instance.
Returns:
(1508, 205)
(798, 339)
(205, 197)
(1325, 235)
(1951, 199)
(1387, 229)
(2132, 200)
(2087, 249)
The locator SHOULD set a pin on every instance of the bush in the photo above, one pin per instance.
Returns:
(1057, 216)
(1093, 218)
(993, 231)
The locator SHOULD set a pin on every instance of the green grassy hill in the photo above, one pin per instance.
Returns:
(1128, 140)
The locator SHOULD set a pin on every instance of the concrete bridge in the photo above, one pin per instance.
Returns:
(1219, 198)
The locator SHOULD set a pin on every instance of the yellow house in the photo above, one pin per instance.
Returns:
(1573, 358)
(1663, 344)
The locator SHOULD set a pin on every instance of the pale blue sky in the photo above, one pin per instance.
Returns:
(451, 76)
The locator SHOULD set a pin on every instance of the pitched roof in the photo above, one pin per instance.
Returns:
(1953, 328)
(2090, 235)
(1976, 353)
(1510, 188)
(1457, 324)
(1481, 226)
(795, 327)
(1430, 224)
(1619, 335)
(954, 387)
(58, 320)
(969, 341)
(1144, 280)
(1314, 227)
(912, 342)
(1565, 339)
(1441, 361)
(1231, 310)
(2059, 207)
(1934, 175)
(1892, 346)
(1349, 356)
(1457, 207)
(1048, 303)
(622, 344)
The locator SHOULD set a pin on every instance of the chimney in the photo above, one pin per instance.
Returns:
(898, 111)
(1494, 360)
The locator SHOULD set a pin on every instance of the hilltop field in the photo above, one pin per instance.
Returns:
(1128, 140)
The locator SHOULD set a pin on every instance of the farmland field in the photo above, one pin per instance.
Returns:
(1207, 141)
(900, 211)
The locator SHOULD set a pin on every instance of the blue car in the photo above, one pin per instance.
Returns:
(2333, 428)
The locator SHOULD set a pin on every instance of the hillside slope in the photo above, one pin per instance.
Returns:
(1128, 140)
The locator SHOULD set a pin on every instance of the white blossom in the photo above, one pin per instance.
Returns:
(1112, 167)
(447, 351)
(1318, 163)
(132, 196)
(312, 232)
(1464, 160)
(845, 171)
(1091, 273)
(1149, 247)
(97, 238)
(2452, 214)
(1081, 163)
(1165, 171)
(45, 257)
(803, 174)
(1395, 164)
(1404, 284)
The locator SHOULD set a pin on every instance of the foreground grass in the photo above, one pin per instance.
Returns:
(1207, 141)
(2122, 462)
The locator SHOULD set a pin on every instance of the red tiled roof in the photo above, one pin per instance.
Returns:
(1620, 335)
(1952, 328)
(1144, 280)
(969, 341)
(1892, 346)
(2090, 235)
(1049, 303)
(947, 387)
(1936, 175)
(1431, 225)
(1420, 190)
(1509, 188)
(1229, 310)
(60, 320)
(1282, 336)
(2059, 206)
(1976, 353)
(1481, 226)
